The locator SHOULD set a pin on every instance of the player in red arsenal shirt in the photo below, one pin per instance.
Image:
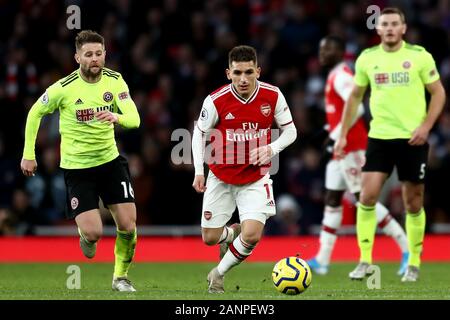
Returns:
(345, 174)
(237, 118)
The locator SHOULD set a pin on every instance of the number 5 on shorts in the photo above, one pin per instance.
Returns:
(422, 171)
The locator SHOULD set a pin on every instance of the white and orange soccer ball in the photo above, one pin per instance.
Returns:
(291, 275)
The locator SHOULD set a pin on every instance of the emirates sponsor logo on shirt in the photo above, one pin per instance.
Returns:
(240, 135)
(232, 146)
(249, 131)
(266, 110)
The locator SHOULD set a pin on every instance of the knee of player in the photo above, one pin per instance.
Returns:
(251, 238)
(367, 199)
(333, 203)
(414, 202)
(92, 235)
(209, 239)
(333, 199)
(414, 206)
(130, 226)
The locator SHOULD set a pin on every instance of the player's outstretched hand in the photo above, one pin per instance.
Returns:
(28, 167)
(339, 146)
(419, 136)
(261, 156)
(106, 116)
(199, 183)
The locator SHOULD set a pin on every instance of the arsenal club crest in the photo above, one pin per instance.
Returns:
(265, 110)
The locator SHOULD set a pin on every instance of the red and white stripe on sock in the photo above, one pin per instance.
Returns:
(391, 227)
(237, 252)
(332, 219)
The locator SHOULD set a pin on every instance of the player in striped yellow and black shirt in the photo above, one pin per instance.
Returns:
(91, 100)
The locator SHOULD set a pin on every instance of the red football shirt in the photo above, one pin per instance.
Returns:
(240, 125)
(338, 87)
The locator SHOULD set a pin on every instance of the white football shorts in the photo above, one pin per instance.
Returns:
(345, 174)
(254, 201)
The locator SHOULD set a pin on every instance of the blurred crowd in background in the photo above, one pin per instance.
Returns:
(172, 54)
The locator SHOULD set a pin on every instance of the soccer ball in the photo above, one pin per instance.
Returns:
(291, 275)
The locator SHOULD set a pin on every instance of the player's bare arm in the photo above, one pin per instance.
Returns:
(350, 110)
(437, 93)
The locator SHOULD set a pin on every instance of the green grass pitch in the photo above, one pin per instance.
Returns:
(187, 281)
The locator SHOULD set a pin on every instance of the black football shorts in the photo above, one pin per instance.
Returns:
(384, 155)
(110, 181)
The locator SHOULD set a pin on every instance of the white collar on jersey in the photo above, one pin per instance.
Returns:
(242, 99)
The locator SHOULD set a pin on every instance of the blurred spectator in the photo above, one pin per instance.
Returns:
(47, 189)
(143, 187)
(10, 175)
(306, 185)
(6, 223)
(287, 219)
(22, 218)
